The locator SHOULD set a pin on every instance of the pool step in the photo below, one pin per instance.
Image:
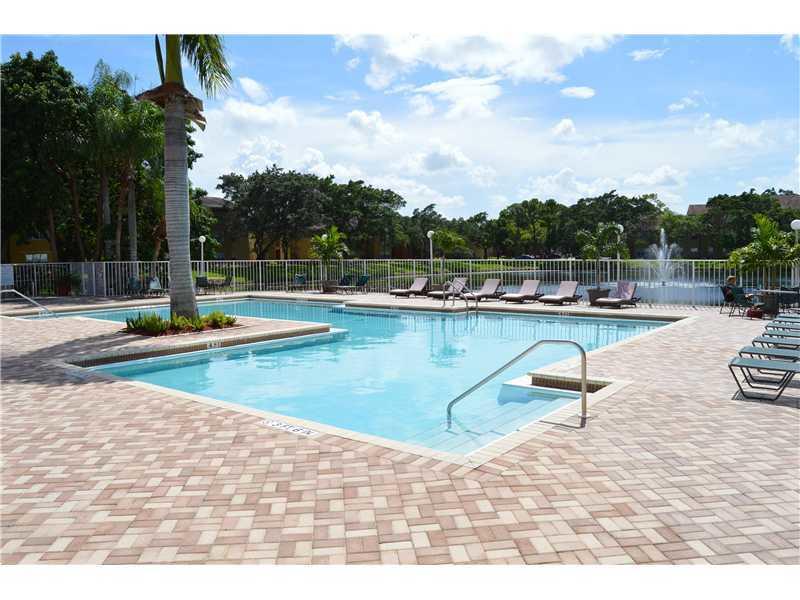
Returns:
(513, 410)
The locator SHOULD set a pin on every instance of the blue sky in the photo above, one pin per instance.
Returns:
(474, 124)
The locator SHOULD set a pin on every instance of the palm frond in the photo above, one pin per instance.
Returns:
(160, 60)
(206, 54)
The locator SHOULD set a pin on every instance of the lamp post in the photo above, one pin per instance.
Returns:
(430, 246)
(202, 240)
(795, 225)
(621, 230)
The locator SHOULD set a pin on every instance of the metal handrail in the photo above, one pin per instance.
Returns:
(460, 294)
(517, 358)
(31, 300)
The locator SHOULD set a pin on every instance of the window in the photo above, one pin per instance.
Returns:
(38, 257)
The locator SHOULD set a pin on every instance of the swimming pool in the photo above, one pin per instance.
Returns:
(391, 373)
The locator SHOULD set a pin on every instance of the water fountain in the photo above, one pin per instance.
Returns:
(663, 253)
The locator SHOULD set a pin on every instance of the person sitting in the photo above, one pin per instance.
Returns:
(730, 283)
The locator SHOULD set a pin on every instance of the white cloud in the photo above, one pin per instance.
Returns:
(347, 96)
(416, 194)
(724, 135)
(565, 128)
(581, 92)
(689, 101)
(313, 161)
(352, 63)
(421, 105)
(467, 96)
(791, 43)
(258, 153)
(279, 112)
(483, 176)
(647, 54)
(438, 157)
(518, 57)
(565, 187)
(665, 175)
(371, 126)
(254, 90)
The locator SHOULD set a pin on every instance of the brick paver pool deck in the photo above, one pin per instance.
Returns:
(672, 469)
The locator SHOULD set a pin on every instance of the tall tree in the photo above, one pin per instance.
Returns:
(206, 55)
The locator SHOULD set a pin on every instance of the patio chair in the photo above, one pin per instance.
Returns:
(783, 372)
(134, 286)
(361, 283)
(741, 302)
(529, 290)
(299, 283)
(345, 285)
(456, 287)
(154, 287)
(219, 286)
(622, 296)
(418, 288)
(727, 298)
(488, 290)
(201, 284)
(566, 293)
(787, 301)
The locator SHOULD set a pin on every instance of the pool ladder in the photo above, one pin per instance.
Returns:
(449, 285)
(517, 358)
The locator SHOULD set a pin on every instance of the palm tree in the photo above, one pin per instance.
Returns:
(206, 54)
(605, 241)
(329, 246)
(769, 249)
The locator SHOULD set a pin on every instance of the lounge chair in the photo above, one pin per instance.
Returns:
(622, 296)
(783, 373)
(782, 333)
(154, 287)
(457, 286)
(777, 342)
(765, 353)
(783, 325)
(741, 302)
(566, 293)
(418, 288)
(488, 290)
(529, 290)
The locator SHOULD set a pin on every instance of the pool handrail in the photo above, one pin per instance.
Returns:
(517, 358)
(31, 300)
(466, 288)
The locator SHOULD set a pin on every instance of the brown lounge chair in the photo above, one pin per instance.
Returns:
(458, 285)
(489, 290)
(529, 290)
(418, 288)
(622, 296)
(566, 293)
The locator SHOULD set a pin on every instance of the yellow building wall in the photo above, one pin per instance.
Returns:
(17, 249)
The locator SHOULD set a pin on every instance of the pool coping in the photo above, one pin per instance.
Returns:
(477, 459)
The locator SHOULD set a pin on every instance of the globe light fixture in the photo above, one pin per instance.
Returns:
(795, 225)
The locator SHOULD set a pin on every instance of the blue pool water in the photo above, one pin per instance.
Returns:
(390, 374)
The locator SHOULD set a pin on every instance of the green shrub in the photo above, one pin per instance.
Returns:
(149, 323)
(152, 324)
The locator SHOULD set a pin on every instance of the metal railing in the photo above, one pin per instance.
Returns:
(677, 281)
(513, 361)
(41, 308)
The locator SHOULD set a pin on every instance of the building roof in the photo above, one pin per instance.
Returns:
(214, 202)
(785, 200)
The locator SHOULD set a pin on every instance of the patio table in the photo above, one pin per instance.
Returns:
(771, 299)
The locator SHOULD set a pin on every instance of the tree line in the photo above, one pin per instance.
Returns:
(83, 167)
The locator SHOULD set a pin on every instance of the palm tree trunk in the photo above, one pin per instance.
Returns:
(51, 235)
(123, 193)
(76, 216)
(102, 203)
(176, 188)
(133, 242)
